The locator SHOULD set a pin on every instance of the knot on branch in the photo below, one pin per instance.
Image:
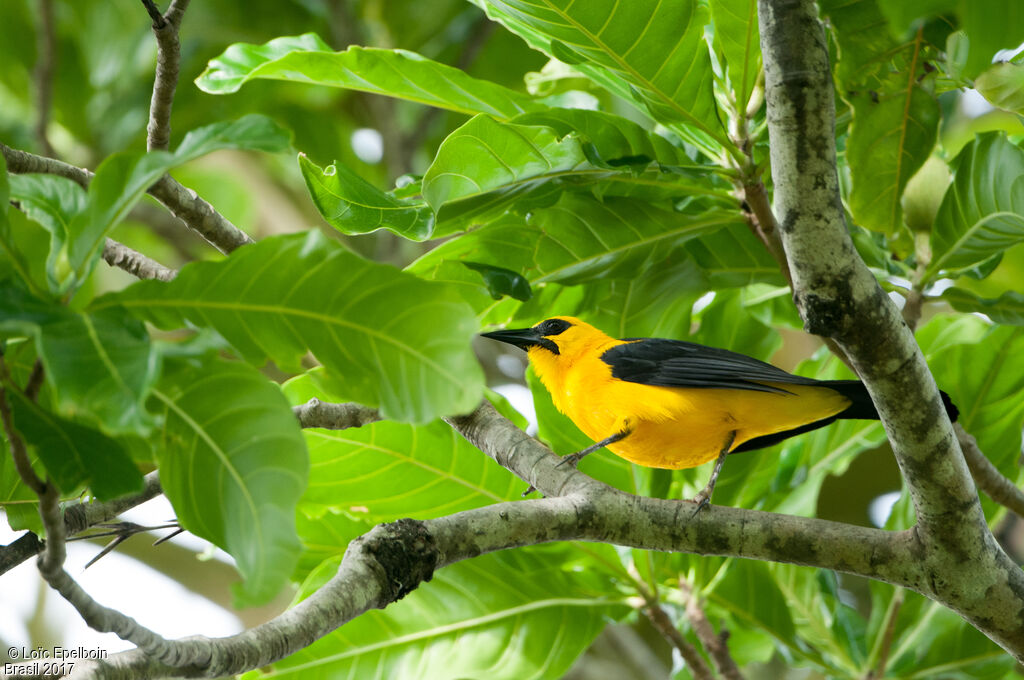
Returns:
(826, 316)
(407, 554)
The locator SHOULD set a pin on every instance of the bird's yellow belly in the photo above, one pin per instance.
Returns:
(684, 427)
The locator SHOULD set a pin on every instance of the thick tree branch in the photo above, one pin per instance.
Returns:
(158, 132)
(184, 203)
(838, 297)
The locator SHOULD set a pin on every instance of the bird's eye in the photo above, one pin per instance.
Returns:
(552, 327)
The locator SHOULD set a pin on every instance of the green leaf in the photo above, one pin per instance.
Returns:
(352, 205)
(577, 240)
(750, 593)
(889, 141)
(99, 364)
(484, 155)
(865, 49)
(617, 141)
(904, 16)
(982, 213)
(736, 33)
(1003, 86)
(233, 464)
(396, 341)
(732, 257)
(53, 202)
(385, 471)
(396, 73)
(464, 622)
(74, 454)
(649, 52)
(254, 132)
(990, 27)
(501, 281)
(1007, 309)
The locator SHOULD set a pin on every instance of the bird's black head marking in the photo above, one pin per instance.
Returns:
(550, 327)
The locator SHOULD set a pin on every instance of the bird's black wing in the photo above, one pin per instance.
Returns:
(674, 363)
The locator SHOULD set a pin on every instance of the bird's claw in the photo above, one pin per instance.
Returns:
(572, 460)
(703, 500)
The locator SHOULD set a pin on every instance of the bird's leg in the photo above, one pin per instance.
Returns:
(703, 498)
(574, 459)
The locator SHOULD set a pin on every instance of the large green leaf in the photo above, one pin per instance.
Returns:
(736, 32)
(100, 364)
(732, 257)
(352, 205)
(74, 454)
(396, 341)
(889, 141)
(386, 470)
(484, 155)
(396, 73)
(1007, 309)
(649, 52)
(982, 213)
(233, 464)
(865, 45)
(577, 240)
(468, 621)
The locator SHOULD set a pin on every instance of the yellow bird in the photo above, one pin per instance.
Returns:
(674, 404)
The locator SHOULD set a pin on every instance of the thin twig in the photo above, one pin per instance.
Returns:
(154, 13)
(715, 643)
(884, 643)
(46, 57)
(661, 621)
(987, 476)
(330, 416)
(168, 58)
(35, 380)
(196, 213)
(19, 452)
(135, 263)
(77, 518)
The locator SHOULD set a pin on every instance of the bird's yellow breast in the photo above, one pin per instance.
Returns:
(672, 427)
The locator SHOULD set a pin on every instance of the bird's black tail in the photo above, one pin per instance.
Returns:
(861, 406)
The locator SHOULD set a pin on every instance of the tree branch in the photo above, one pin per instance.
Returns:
(46, 56)
(135, 263)
(392, 559)
(838, 297)
(659, 618)
(77, 518)
(316, 413)
(168, 55)
(715, 643)
(184, 203)
(987, 476)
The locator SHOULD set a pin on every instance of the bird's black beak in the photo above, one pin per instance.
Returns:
(523, 338)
